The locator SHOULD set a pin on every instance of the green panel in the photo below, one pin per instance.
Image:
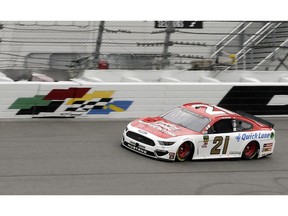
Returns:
(27, 103)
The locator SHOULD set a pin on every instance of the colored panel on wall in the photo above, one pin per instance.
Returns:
(95, 94)
(79, 103)
(116, 106)
(26, 103)
(35, 110)
(255, 100)
(62, 94)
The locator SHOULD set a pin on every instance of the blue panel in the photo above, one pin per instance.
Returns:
(99, 111)
(122, 104)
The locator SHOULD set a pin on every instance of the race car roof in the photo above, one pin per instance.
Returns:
(210, 111)
(213, 111)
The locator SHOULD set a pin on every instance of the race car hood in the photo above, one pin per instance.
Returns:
(161, 127)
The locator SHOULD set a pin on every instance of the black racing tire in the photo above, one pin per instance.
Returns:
(184, 151)
(250, 150)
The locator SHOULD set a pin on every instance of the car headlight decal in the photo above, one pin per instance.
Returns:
(166, 143)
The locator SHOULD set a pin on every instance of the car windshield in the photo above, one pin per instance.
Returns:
(187, 119)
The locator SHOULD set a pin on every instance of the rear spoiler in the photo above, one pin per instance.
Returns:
(260, 120)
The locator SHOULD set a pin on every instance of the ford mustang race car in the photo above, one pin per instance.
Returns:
(200, 131)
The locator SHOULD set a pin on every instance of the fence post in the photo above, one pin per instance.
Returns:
(170, 29)
(98, 43)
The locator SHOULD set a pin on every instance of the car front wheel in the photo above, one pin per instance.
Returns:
(184, 151)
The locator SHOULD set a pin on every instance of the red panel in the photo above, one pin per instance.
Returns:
(62, 94)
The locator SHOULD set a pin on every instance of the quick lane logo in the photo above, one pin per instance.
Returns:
(76, 101)
(252, 136)
(238, 137)
(257, 100)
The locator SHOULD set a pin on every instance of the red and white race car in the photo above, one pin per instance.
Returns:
(200, 131)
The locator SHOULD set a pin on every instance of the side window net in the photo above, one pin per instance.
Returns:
(222, 126)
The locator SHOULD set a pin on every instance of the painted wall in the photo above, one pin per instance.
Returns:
(182, 76)
(131, 100)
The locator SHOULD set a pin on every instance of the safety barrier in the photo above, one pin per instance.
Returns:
(136, 99)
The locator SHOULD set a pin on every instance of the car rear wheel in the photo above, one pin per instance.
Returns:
(184, 151)
(250, 151)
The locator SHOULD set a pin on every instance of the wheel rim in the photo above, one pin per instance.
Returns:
(250, 149)
(184, 150)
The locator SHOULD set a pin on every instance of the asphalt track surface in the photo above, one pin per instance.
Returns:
(82, 157)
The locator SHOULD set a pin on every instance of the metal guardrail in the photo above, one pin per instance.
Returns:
(233, 32)
(262, 33)
(271, 54)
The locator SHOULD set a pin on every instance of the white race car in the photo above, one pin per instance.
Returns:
(200, 131)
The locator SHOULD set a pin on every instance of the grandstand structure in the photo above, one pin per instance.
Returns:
(137, 45)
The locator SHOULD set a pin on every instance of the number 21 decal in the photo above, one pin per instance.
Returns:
(218, 140)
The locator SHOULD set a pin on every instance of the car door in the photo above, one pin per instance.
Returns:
(220, 140)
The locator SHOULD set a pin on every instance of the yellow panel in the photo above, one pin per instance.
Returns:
(87, 97)
(115, 108)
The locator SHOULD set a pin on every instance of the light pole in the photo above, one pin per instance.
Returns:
(170, 29)
(98, 43)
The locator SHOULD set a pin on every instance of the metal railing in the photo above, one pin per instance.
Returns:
(233, 32)
(255, 39)
(271, 54)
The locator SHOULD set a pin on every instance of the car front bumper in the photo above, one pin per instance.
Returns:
(157, 151)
